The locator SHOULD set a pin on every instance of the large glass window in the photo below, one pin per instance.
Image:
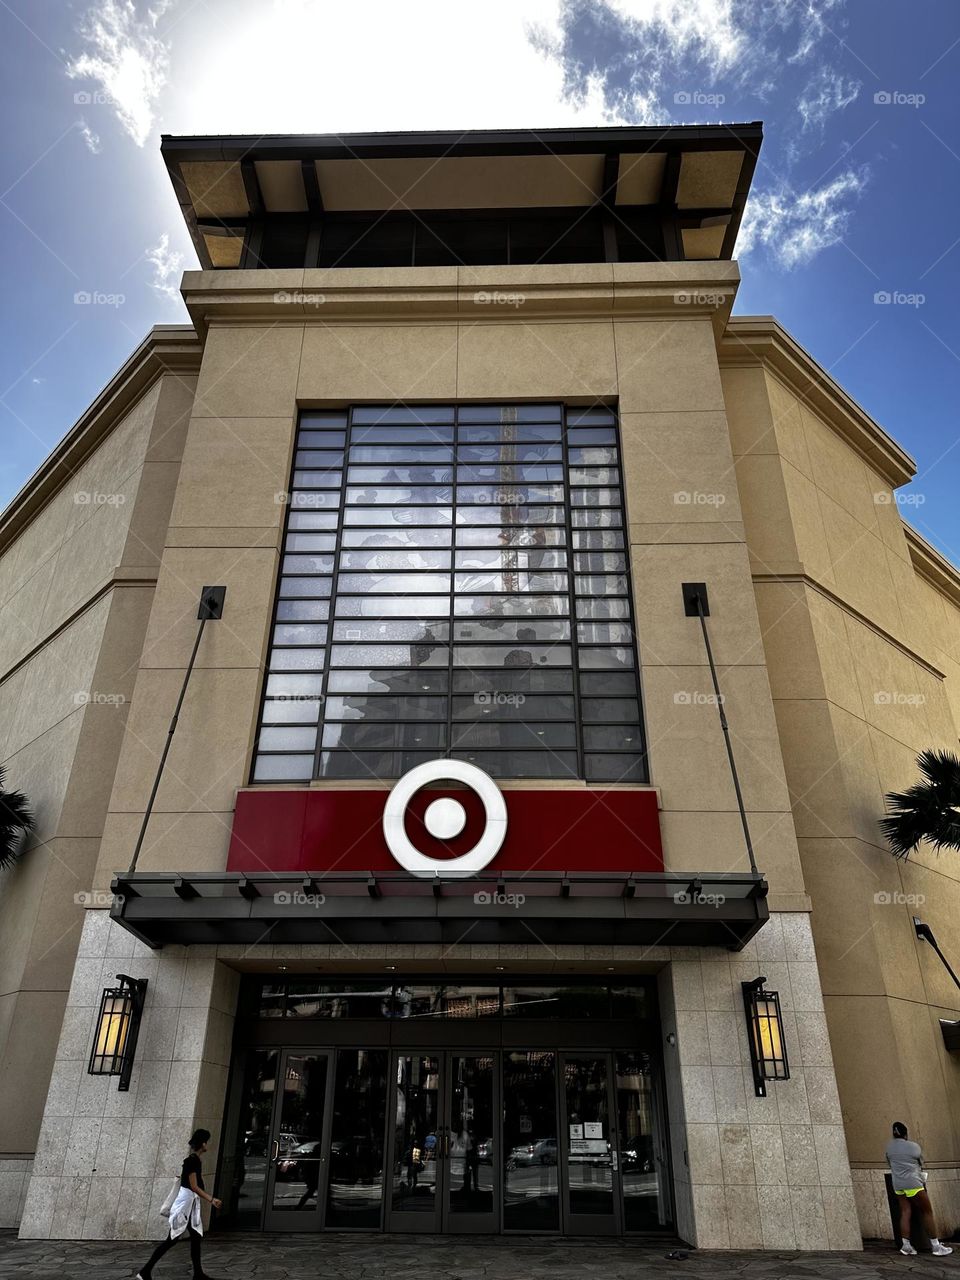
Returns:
(454, 583)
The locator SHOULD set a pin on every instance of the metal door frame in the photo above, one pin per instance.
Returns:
(474, 1223)
(442, 1221)
(587, 1224)
(303, 1220)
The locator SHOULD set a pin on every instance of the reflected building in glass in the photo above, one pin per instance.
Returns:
(454, 583)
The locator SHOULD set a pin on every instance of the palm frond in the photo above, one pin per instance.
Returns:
(927, 811)
(16, 818)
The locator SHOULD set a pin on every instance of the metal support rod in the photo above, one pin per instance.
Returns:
(925, 933)
(945, 962)
(166, 746)
(726, 734)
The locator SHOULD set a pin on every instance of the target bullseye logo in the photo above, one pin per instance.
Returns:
(445, 819)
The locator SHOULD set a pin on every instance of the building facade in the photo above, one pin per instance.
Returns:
(465, 427)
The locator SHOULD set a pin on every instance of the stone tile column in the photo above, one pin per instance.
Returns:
(106, 1159)
(755, 1173)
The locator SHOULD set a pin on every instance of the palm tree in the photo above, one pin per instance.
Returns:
(15, 820)
(929, 810)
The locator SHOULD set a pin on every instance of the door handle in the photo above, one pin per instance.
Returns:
(275, 1155)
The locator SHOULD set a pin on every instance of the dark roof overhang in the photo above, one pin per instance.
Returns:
(703, 171)
(650, 908)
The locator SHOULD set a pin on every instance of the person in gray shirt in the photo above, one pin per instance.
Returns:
(905, 1159)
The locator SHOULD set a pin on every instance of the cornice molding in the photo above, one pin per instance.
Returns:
(174, 349)
(797, 577)
(121, 578)
(932, 566)
(760, 340)
(482, 295)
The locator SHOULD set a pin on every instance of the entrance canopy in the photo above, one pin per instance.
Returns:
(648, 909)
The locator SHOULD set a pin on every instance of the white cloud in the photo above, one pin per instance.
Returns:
(794, 226)
(300, 66)
(826, 93)
(654, 40)
(702, 28)
(811, 23)
(166, 263)
(126, 59)
(90, 138)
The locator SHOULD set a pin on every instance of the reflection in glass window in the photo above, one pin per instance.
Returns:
(530, 1203)
(355, 1189)
(454, 581)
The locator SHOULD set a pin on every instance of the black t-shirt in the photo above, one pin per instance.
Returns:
(191, 1165)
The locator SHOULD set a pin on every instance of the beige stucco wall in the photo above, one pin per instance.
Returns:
(75, 589)
(623, 335)
(838, 663)
(612, 333)
(861, 654)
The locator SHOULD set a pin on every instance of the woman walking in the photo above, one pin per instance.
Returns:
(905, 1159)
(185, 1216)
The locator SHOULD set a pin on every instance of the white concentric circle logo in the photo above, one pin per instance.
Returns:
(445, 819)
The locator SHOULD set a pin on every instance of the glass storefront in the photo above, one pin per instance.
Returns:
(444, 1120)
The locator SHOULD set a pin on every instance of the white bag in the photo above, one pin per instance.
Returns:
(170, 1198)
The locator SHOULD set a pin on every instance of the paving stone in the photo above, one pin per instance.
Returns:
(385, 1257)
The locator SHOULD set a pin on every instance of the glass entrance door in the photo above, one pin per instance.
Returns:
(299, 1141)
(441, 1142)
(589, 1146)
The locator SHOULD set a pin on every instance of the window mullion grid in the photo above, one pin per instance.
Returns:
(334, 593)
(572, 594)
(454, 543)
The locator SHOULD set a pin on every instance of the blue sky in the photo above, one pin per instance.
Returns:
(856, 193)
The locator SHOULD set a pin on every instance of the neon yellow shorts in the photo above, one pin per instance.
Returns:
(911, 1191)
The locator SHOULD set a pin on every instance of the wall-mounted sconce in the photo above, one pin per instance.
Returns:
(118, 1025)
(768, 1053)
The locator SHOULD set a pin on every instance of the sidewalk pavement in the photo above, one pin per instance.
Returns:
(392, 1257)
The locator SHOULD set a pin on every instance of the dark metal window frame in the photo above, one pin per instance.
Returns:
(573, 598)
(615, 224)
(249, 1003)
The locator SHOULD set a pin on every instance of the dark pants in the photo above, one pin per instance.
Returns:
(167, 1245)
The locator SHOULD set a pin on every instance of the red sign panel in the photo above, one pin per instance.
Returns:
(547, 831)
